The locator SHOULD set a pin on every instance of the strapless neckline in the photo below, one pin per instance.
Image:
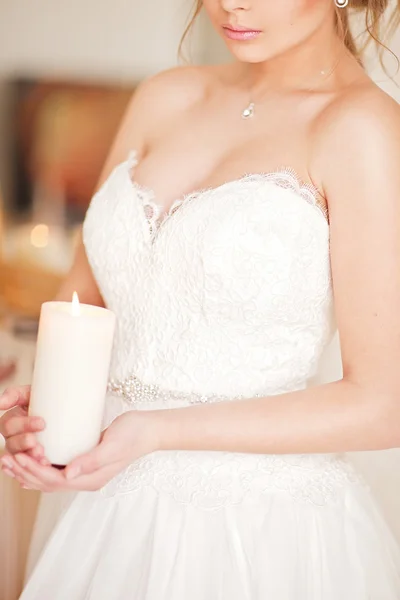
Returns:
(156, 216)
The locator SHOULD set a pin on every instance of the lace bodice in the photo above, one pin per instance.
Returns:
(227, 294)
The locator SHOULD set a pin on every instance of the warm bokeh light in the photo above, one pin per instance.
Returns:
(40, 236)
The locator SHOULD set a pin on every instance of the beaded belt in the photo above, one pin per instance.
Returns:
(135, 391)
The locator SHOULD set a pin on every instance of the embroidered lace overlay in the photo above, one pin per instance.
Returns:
(213, 480)
(226, 296)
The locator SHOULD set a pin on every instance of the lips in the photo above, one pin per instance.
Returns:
(240, 33)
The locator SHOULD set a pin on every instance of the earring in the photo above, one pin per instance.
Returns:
(341, 3)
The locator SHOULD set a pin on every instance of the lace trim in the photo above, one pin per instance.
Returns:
(134, 391)
(283, 177)
(288, 178)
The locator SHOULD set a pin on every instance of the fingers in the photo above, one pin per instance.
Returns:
(29, 473)
(48, 479)
(37, 453)
(103, 455)
(21, 443)
(96, 480)
(15, 423)
(18, 430)
(35, 475)
(10, 414)
(16, 396)
(25, 479)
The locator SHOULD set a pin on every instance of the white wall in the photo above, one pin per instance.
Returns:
(91, 38)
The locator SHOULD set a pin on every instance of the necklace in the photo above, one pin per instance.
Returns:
(249, 111)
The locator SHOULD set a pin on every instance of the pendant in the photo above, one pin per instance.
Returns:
(248, 111)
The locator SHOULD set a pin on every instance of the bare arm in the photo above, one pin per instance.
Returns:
(359, 157)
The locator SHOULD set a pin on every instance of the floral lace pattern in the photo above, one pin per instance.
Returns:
(232, 296)
(228, 295)
(216, 480)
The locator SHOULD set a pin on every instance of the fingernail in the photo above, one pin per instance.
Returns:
(37, 422)
(6, 462)
(72, 472)
(20, 458)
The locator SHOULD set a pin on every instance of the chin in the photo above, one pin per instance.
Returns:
(249, 54)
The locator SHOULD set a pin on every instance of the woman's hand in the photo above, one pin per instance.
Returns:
(17, 427)
(130, 436)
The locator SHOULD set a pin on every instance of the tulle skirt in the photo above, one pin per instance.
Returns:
(220, 526)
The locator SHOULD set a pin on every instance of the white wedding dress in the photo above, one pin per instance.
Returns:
(228, 295)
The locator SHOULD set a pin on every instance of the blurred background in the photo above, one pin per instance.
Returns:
(67, 70)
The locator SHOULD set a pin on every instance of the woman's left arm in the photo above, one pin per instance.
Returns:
(358, 155)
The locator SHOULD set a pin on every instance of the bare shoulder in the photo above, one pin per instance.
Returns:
(155, 105)
(179, 86)
(169, 92)
(364, 106)
(358, 131)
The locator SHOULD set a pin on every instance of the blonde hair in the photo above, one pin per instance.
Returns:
(381, 18)
(378, 24)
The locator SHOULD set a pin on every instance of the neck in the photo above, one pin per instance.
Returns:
(301, 66)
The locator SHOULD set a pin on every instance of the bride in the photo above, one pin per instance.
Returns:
(245, 211)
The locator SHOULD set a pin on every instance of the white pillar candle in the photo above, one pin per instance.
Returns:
(70, 377)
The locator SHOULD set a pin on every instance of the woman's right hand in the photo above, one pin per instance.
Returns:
(17, 427)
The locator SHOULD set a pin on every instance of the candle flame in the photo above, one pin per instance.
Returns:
(75, 305)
